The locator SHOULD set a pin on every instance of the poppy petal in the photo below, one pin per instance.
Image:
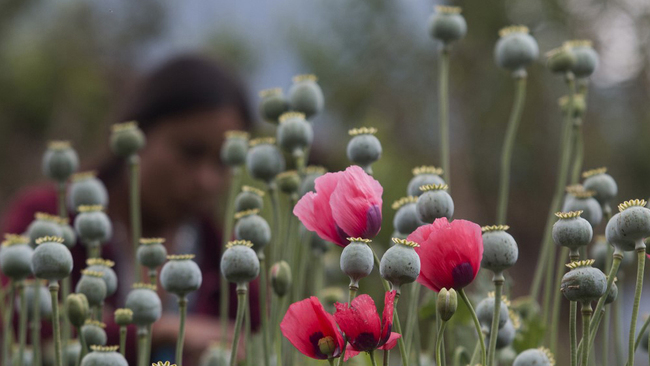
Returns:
(387, 316)
(350, 352)
(392, 341)
(356, 203)
(360, 322)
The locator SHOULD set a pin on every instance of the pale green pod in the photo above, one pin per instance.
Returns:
(235, 148)
(406, 219)
(51, 260)
(434, 203)
(447, 24)
(92, 286)
(281, 278)
(215, 356)
(77, 309)
(306, 96)
(69, 236)
(123, 316)
(94, 333)
(145, 304)
(288, 181)
(104, 356)
(264, 160)
(109, 276)
(239, 263)
(578, 199)
(515, 48)
(500, 250)
(252, 227)
(633, 222)
(151, 252)
(446, 303)
(424, 176)
(535, 357)
(45, 301)
(583, 283)
(294, 134)
(603, 184)
(357, 260)
(506, 355)
(364, 148)
(59, 161)
(249, 198)
(485, 312)
(400, 264)
(308, 182)
(561, 60)
(127, 139)
(615, 237)
(42, 226)
(93, 225)
(572, 231)
(273, 104)
(181, 275)
(16, 259)
(87, 190)
(71, 353)
(586, 58)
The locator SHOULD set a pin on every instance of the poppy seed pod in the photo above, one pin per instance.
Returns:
(612, 294)
(126, 139)
(77, 308)
(144, 303)
(104, 356)
(239, 263)
(406, 218)
(357, 260)
(264, 160)
(215, 356)
(94, 333)
(59, 161)
(87, 190)
(181, 275)
(364, 148)
(71, 353)
(434, 203)
(51, 260)
(16, 257)
(306, 96)
(151, 252)
(44, 299)
(92, 286)
(281, 278)
(505, 335)
(634, 221)
(515, 48)
(422, 176)
(616, 238)
(235, 148)
(599, 252)
(400, 264)
(93, 225)
(603, 184)
(485, 311)
(578, 107)
(68, 234)
(43, 225)
(288, 182)
(123, 316)
(561, 60)
(586, 58)
(109, 276)
(249, 198)
(311, 174)
(500, 250)
(579, 199)
(294, 134)
(252, 227)
(535, 357)
(273, 104)
(572, 231)
(446, 303)
(446, 24)
(583, 282)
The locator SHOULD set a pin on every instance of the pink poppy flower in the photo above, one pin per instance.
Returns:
(362, 327)
(450, 253)
(306, 324)
(346, 204)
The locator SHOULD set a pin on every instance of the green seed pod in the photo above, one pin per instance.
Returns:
(45, 300)
(42, 226)
(181, 275)
(634, 221)
(603, 184)
(123, 317)
(235, 148)
(485, 312)
(306, 96)
(598, 252)
(249, 198)
(264, 160)
(239, 263)
(71, 353)
(126, 139)
(327, 346)
(583, 283)
(579, 105)
(144, 303)
(577, 199)
(68, 234)
(93, 225)
(446, 24)
(92, 285)
(527, 308)
(87, 190)
(77, 308)
(561, 60)
(294, 134)
(572, 231)
(104, 356)
(434, 203)
(288, 182)
(318, 245)
(215, 356)
(500, 250)
(446, 303)
(94, 333)
(612, 294)
(422, 176)
(311, 173)
(364, 148)
(614, 236)
(51, 260)
(586, 58)
(281, 278)
(109, 276)
(254, 228)
(515, 49)
(16, 257)
(60, 161)
(505, 335)
(506, 355)
(535, 357)
(273, 105)
(406, 218)
(400, 264)
(151, 252)
(357, 260)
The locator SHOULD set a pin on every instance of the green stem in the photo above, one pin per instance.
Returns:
(263, 309)
(134, 206)
(84, 347)
(149, 342)
(509, 142)
(386, 357)
(586, 315)
(494, 329)
(616, 262)
(7, 322)
(398, 328)
(248, 342)
(122, 339)
(641, 331)
(275, 206)
(66, 326)
(618, 327)
(36, 322)
(441, 333)
(578, 157)
(153, 277)
(331, 361)
(54, 293)
(372, 358)
(63, 214)
(182, 309)
(142, 346)
(605, 338)
(640, 250)
(573, 333)
(411, 324)
(241, 309)
(477, 325)
(555, 296)
(22, 327)
(475, 354)
(443, 109)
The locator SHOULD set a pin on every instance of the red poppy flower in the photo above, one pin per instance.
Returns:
(362, 327)
(306, 324)
(450, 253)
(346, 204)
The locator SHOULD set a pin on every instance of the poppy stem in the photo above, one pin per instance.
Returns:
(494, 329)
(441, 332)
(386, 357)
(443, 110)
(263, 308)
(241, 309)
(136, 218)
(122, 340)
(142, 346)
(586, 315)
(36, 322)
(477, 324)
(640, 251)
(400, 341)
(182, 308)
(352, 294)
(641, 331)
(372, 358)
(22, 329)
(84, 347)
(65, 283)
(54, 293)
(573, 333)
(331, 361)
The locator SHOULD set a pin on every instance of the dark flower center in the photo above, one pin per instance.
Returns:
(313, 339)
(373, 222)
(365, 342)
(463, 275)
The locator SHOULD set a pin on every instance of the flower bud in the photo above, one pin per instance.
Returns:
(357, 260)
(151, 252)
(181, 275)
(364, 148)
(77, 308)
(583, 283)
(327, 346)
(572, 231)
(306, 96)
(51, 260)
(68, 234)
(311, 173)
(254, 228)
(94, 333)
(446, 303)
(500, 250)
(87, 190)
(288, 182)
(578, 199)
(109, 276)
(485, 312)
(406, 218)
(239, 263)
(516, 49)
(294, 134)
(422, 176)
(92, 286)
(42, 226)
(144, 303)
(634, 220)
(126, 139)
(93, 225)
(273, 105)
(400, 264)
(281, 278)
(434, 203)
(60, 161)
(264, 160)
(104, 356)
(16, 257)
(535, 357)
(123, 317)
(447, 25)
(612, 294)
(603, 184)
(250, 198)
(561, 60)
(234, 149)
(586, 58)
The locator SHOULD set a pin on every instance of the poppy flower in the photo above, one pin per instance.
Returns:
(311, 329)
(361, 324)
(346, 204)
(450, 253)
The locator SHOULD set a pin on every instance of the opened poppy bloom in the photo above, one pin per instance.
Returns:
(361, 324)
(312, 330)
(450, 253)
(346, 204)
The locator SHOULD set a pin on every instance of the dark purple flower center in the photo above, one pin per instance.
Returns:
(463, 275)
(387, 329)
(373, 222)
(365, 342)
(313, 339)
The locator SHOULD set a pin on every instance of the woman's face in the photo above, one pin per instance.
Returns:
(181, 168)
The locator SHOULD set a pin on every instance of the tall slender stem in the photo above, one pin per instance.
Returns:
(644, 327)
(372, 358)
(263, 309)
(494, 329)
(36, 322)
(122, 339)
(443, 109)
(441, 332)
(224, 294)
(555, 312)
(509, 142)
(84, 346)
(386, 358)
(182, 309)
(586, 315)
(605, 338)
(398, 328)
(241, 309)
(272, 190)
(142, 346)
(573, 333)
(477, 325)
(65, 285)
(54, 294)
(22, 327)
(578, 157)
(411, 319)
(640, 251)
(134, 206)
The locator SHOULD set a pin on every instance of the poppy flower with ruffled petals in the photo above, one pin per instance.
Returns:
(311, 329)
(362, 327)
(346, 204)
(450, 253)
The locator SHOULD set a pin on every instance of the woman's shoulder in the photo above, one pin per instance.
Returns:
(24, 204)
